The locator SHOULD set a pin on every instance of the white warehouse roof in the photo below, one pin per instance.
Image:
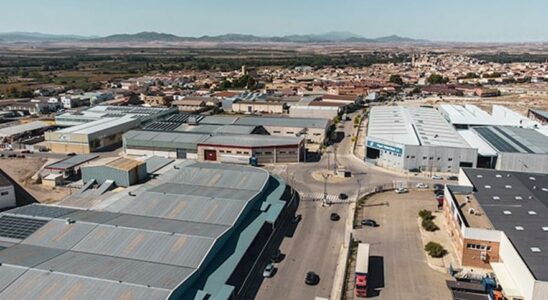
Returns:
(469, 115)
(413, 126)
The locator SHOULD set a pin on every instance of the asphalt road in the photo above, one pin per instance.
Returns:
(398, 268)
(316, 243)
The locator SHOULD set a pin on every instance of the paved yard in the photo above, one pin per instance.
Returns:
(398, 268)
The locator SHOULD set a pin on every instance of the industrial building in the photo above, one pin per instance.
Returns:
(509, 148)
(415, 138)
(7, 193)
(314, 130)
(144, 114)
(91, 136)
(467, 116)
(241, 149)
(195, 231)
(10, 134)
(231, 148)
(497, 221)
(120, 171)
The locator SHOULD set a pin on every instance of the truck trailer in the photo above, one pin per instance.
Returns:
(362, 270)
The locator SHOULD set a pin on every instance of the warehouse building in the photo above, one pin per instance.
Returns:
(415, 138)
(90, 137)
(230, 148)
(120, 170)
(10, 134)
(197, 231)
(7, 193)
(312, 129)
(143, 114)
(509, 148)
(497, 221)
(467, 116)
(241, 149)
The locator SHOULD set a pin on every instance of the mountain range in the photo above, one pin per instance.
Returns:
(150, 37)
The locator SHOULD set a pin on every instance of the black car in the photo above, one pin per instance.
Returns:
(438, 186)
(369, 222)
(296, 219)
(312, 278)
(277, 256)
(334, 217)
(12, 155)
(452, 178)
(343, 196)
(71, 154)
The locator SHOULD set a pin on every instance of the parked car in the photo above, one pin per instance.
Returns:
(422, 185)
(12, 155)
(453, 178)
(296, 219)
(436, 177)
(277, 256)
(343, 196)
(369, 222)
(334, 217)
(438, 186)
(71, 154)
(26, 151)
(268, 270)
(312, 278)
(21, 156)
(43, 149)
(401, 190)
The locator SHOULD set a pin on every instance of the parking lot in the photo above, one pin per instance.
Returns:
(397, 267)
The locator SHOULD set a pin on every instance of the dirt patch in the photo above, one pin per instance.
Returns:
(22, 171)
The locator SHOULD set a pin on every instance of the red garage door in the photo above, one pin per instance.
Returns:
(210, 155)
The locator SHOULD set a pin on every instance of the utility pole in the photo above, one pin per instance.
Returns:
(325, 177)
(335, 158)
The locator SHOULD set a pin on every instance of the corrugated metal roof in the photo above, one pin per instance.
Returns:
(39, 284)
(155, 163)
(17, 129)
(71, 162)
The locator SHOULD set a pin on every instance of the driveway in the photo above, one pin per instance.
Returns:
(398, 268)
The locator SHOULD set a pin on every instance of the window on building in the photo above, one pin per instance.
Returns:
(276, 131)
(4, 193)
(449, 159)
(238, 152)
(268, 153)
(424, 157)
(221, 151)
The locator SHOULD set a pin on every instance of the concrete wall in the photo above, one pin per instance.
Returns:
(313, 135)
(7, 197)
(264, 155)
(272, 108)
(313, 112)
(522, 162)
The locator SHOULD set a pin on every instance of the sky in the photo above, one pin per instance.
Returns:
(436, 20)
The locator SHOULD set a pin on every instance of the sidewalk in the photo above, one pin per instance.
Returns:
(442, 237)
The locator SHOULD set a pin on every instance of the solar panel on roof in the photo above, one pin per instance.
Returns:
(19, 228)
(495, 140)
(42, 211)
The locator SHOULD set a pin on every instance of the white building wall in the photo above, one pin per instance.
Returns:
(522, 162)
(7, 197)
(518, 269)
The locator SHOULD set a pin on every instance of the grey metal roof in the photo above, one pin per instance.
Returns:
(268, 121)
(40, 284)
(532, 192)
(135, 247)
(155, 163)
(514, 139)
(217, 129)
(72, 162)
(165, 140)
(18, 129)
(253, 140)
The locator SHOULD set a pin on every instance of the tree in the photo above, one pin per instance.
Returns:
(437, 79)
(395, 78)
(435, 250)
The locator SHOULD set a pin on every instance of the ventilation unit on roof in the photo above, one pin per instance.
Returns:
(498, 176)
(70, 221)
(536, 249)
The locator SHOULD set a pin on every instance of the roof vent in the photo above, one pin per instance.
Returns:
(508, 175)
(131, 194)
(508, 186)
(498, 176)
(544, 189)
(487, 186)
(519, 228)
(532, 178)
(479, 176)
(507, 212)
(536, 249)
(496, 198)
(519, 198)
(532, 212)
(71, 221)
(544, 228)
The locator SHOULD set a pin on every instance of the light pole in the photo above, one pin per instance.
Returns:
(325, 177)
